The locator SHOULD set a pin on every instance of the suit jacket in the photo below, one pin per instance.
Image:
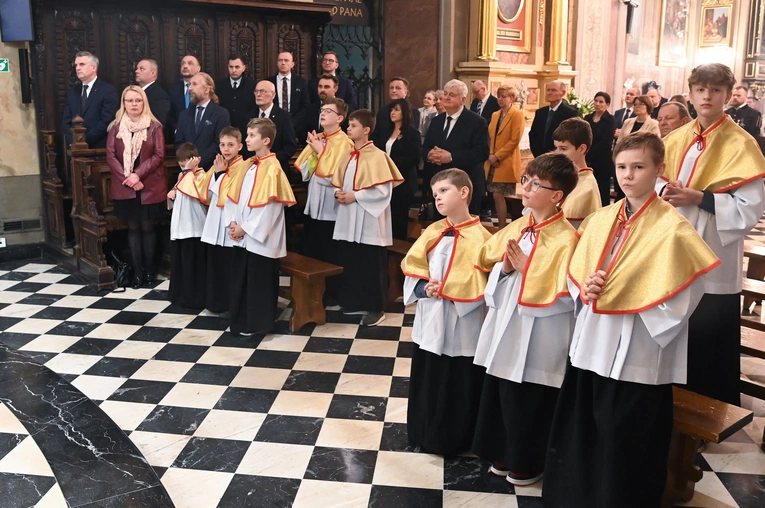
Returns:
(405, 153)
(345, 91)
(284, 145)
(655, 112)
(299, 99)
(506, 145)
(599, 156)
(205, 138)
(177, 106)
(383, 125)
(649, 125)
(620, 117)
(747, 117)
(100, 109)
(159, 102)
(542, 142)
(492, 105)
(239, 103)
(150, 168)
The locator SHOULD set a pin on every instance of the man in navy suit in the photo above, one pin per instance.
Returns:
(95, 100)
(626, 112)
(548, 118)
(398, 88)
(146, 78)
(236, 93)
(291, 91)
(201, 124)
(457, 138)
(345, 90)
(484, 104)
(283, 145)
(179, 93)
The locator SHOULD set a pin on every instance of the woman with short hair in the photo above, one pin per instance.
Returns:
(599, 156)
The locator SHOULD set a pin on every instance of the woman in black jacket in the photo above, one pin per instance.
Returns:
(600, 157)
(404, 146)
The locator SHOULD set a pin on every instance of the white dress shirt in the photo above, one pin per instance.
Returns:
(279, 79)
(454, 118)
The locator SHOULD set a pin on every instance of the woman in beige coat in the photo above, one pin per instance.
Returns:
(503, 168)
(642, 120)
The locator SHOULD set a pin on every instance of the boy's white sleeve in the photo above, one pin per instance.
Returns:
(738, 212)
(259, 223)
(376, 199)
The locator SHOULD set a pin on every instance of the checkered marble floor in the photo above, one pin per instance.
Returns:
(311, 419)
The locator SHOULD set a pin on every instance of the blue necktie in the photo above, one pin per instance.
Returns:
(186, 96)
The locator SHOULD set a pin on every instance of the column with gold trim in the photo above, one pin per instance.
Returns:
(487, 31)
(558, 33)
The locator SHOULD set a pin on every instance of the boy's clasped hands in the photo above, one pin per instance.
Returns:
(235, 232)
(593, 285)
(515, 259)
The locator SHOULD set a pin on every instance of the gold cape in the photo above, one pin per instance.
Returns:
(270, 184)
(336, 146)
(462, 281)
(584, 199)
(189, 184)
(546, 274)
(236, 166)
(731, 157)
(373, 167)
(660, 256)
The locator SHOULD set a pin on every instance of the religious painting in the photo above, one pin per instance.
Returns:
(673, 36)
(513, 26)
(715, 29)
(533, 98)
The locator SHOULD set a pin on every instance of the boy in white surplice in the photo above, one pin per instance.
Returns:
(524, 340)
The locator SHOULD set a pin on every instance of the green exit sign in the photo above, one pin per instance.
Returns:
(5, 66)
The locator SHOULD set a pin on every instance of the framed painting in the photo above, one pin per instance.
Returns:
(715, 28)
(673, 37)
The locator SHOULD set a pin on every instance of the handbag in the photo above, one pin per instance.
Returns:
(123, 273)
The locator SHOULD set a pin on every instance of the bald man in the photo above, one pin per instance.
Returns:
(548, 118)
(284, 142)
(484, 103)
(146, 77)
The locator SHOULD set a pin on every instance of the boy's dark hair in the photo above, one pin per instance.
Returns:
(712, 74)
(576, 131)
(231, 132)
(557, 169)
(265, 127)
(342, 107)
(642, 140)
(186, 151)
(365, 117)
(456, 177)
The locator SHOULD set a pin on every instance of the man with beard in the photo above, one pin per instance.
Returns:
(741, 113)
(345, 90)
(179, 93)
(326, 88)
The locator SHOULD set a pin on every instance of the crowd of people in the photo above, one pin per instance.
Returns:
(533, 348)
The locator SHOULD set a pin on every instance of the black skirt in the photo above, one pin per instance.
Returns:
(513, 425)
(188, 265)
(254, 292)
(134, 210)
(609, 443)
(714, 348)
(217, 278)
(444, 393)
(364, 281)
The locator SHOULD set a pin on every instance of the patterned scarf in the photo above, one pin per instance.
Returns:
(132, 134)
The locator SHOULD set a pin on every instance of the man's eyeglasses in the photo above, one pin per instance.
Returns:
(329, 60)
(535, 185)
(261, 91)
(327, 110)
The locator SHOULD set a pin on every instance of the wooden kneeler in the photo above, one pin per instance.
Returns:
(309, 278)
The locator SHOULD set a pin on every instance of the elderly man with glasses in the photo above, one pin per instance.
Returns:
(284, 142)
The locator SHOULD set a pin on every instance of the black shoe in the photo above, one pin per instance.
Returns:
(149, 279)
(137, 282)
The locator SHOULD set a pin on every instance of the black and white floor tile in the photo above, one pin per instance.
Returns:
(122, 399)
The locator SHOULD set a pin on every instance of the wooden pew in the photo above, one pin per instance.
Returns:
(308, 281)
(756, 268)
(696, 417)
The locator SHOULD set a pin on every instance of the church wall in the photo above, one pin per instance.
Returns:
(20, 197)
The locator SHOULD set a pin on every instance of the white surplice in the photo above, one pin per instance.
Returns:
(188, 220)
(320, 201)
(215, 231)
(366, 220)
(444, 327)
(521, 343)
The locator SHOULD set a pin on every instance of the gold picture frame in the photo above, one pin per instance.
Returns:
(673, 38)
(715, 27)
(523, 36)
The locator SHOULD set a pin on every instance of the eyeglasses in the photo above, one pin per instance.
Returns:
(133, 101)
(261, 91)
(451, 94)
(535, 185)
(329, 60)
(327, 110)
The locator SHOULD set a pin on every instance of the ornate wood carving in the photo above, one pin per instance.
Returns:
(290, 38)
(195, 37)
(246, 41)
(137, 41)
(74, 33)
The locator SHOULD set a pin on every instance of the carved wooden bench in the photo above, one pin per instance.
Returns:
(308, 281)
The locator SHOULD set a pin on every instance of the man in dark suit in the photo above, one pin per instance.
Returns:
(283, 145)
(146, 78)
(747, 117)
(291, 90)
(484, 104)
(236, 93)
(201, 124)
(95, 100)
(179, 93)
(326, 89)
(457, 138)
(345, 90)
(398, 88)
(548, 118)
(626, 112)
(656, 99)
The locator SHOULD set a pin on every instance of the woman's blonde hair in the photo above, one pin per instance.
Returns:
(121, 112)
(507, 90)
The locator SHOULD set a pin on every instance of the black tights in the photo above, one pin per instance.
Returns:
(143, 241)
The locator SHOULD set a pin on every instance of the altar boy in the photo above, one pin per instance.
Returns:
(524, 341)
(445, 385)
(636, 277)
(254, 211)
(364, 181)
